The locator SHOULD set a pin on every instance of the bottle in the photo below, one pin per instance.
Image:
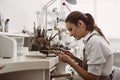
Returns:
(6, 25)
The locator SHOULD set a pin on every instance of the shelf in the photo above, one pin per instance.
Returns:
(16, 34)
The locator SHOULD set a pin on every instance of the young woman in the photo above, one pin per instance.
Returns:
(98, 58)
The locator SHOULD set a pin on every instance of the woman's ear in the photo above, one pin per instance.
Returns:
(80, 24)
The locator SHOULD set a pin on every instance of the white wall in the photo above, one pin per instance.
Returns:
(21, 13)
(108, 15)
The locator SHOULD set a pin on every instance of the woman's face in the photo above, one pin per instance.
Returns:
(76, 31)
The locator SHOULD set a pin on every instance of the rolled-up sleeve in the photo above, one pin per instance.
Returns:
(95, 69)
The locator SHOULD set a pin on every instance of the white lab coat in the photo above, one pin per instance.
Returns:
(99, 56)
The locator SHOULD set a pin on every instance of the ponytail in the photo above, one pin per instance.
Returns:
(100, 32)
(94, 26)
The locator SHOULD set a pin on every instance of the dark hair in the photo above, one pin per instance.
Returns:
(87, 18)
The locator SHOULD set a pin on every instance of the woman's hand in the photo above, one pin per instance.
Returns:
(63, 56)
(79, 61)
(69, 54)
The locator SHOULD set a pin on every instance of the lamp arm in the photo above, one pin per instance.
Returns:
(48, 4)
